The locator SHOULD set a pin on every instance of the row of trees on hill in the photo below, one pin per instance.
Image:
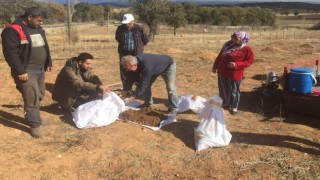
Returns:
(151, 12)
(154, 12)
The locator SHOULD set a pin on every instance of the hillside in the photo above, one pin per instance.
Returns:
(280, 6)
(277, 6)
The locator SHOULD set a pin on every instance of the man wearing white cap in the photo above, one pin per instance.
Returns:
(131, 38)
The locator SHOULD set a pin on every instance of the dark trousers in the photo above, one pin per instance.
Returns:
(32, 92)
(86, 96)
(229, 91)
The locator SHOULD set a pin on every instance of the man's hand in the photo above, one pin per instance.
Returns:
(104, 89)
(231, 65)
(23, 77)
(214, 70)
(49, 69)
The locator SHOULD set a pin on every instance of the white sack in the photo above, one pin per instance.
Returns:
(100, 112)
(192, 102)
(212, 131)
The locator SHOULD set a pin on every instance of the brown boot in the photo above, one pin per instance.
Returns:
(36, 132)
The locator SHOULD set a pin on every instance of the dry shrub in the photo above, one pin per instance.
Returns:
(205, 54)
(173, 51)
(274, 49)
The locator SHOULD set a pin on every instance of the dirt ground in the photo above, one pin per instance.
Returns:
(263, 145)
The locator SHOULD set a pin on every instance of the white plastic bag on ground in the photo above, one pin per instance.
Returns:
(212, 131)
(192, 102)
(197, 104)
(100, 112)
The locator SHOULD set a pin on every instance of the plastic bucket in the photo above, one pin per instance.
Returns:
(300, 80)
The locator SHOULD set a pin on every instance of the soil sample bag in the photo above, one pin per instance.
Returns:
(100, 112)
(192, 102)
(212, 131)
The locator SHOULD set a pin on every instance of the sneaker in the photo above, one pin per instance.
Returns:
(36, 132)
(233, 111)
(172, 113)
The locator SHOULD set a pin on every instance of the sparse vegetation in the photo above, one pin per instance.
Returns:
(262, 147)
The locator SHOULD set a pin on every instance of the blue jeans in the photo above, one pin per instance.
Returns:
(32, 92)
(169, 76)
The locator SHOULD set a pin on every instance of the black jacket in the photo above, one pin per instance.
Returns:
(17, 52)
(140, 38)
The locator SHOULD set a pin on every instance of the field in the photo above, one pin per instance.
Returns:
(277, 146)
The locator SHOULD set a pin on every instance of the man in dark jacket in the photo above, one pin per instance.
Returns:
(26, 50)
(145, 69)
(76, 84)
(131, 38)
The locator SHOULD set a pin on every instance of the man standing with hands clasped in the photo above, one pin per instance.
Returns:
(26, 50)
(131, 38)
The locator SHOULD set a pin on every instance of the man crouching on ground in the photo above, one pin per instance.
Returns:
(76, 84)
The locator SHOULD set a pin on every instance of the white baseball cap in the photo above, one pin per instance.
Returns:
(127, 18)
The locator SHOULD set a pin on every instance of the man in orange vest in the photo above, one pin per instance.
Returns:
(26, 51)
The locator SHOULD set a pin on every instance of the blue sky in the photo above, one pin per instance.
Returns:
(125, 1)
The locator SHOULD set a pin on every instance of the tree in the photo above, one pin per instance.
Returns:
(85, 12)
(296, 13)
(235, 14)
(215, 14)
(224, 20)
(56, 12)
(267, 17)
(107, 10)
(11, 9)
(252, 16)
(191, 11)
(285, 12)
(152, 12)
(206, 15)
(176, 17)
(81, 12)
(96, 13)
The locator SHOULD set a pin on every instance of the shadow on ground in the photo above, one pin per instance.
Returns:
(183, 130)
(49, 87)
(67, 118)
(299, 144)
(252, 101)
(53, 108)
(13, 121)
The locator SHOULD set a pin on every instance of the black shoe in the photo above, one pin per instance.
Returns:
(145, 105)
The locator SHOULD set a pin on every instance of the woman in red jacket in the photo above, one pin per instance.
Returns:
(233, 58)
